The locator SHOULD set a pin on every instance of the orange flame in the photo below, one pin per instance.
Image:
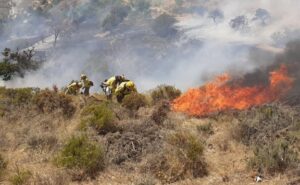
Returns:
(219, 96)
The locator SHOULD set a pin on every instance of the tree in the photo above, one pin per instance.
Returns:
(17, 63)
(262, 15)
(239, 23)
(216, 15)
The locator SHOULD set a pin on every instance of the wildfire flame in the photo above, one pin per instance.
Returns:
(219, 95)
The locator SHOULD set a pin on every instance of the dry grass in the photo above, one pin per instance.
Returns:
(3, 164)
(157, 146)
(42, 142)
(20, 177)
(206, 128)
(50, 178)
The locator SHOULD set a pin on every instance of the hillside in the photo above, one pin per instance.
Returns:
(229, 114)
(44, 136)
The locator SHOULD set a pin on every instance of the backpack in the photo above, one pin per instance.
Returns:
(91, 83)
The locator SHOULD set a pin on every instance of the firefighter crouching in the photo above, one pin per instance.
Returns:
(73, 88)
(124, 89)
(110, 85)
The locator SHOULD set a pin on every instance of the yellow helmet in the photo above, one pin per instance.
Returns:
(130, 84)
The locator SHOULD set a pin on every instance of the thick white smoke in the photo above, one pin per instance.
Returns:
(203, 48)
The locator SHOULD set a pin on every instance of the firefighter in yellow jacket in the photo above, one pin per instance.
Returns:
(86, 84)
(124, 89)
(73, 88)
(110, 85)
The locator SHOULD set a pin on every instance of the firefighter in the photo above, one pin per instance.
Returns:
(73, 88)
(110, 85)
(86, 84)
(124, 89)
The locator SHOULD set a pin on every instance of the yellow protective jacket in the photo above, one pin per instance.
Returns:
(125, 88)
(73, 88)
(113, 82)
(86, 83)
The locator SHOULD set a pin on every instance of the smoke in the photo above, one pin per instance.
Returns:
(290, 58)
(213, 37)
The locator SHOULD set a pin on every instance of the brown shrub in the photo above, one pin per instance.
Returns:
(271, 130)
(278, 156)
(134, 101)
(183, 158)
(165, 92)
(3, 165)
(161, 112)
(135, 141)
(49, 101)
(16, 97)
(260, 125)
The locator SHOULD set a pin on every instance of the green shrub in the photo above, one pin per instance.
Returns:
(21, 177)
(80, 153)
(165, 92)
(275, 157)
(134, 101)
(100, 117)
(48, 101)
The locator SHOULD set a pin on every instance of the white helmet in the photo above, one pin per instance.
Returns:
(83, 76)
